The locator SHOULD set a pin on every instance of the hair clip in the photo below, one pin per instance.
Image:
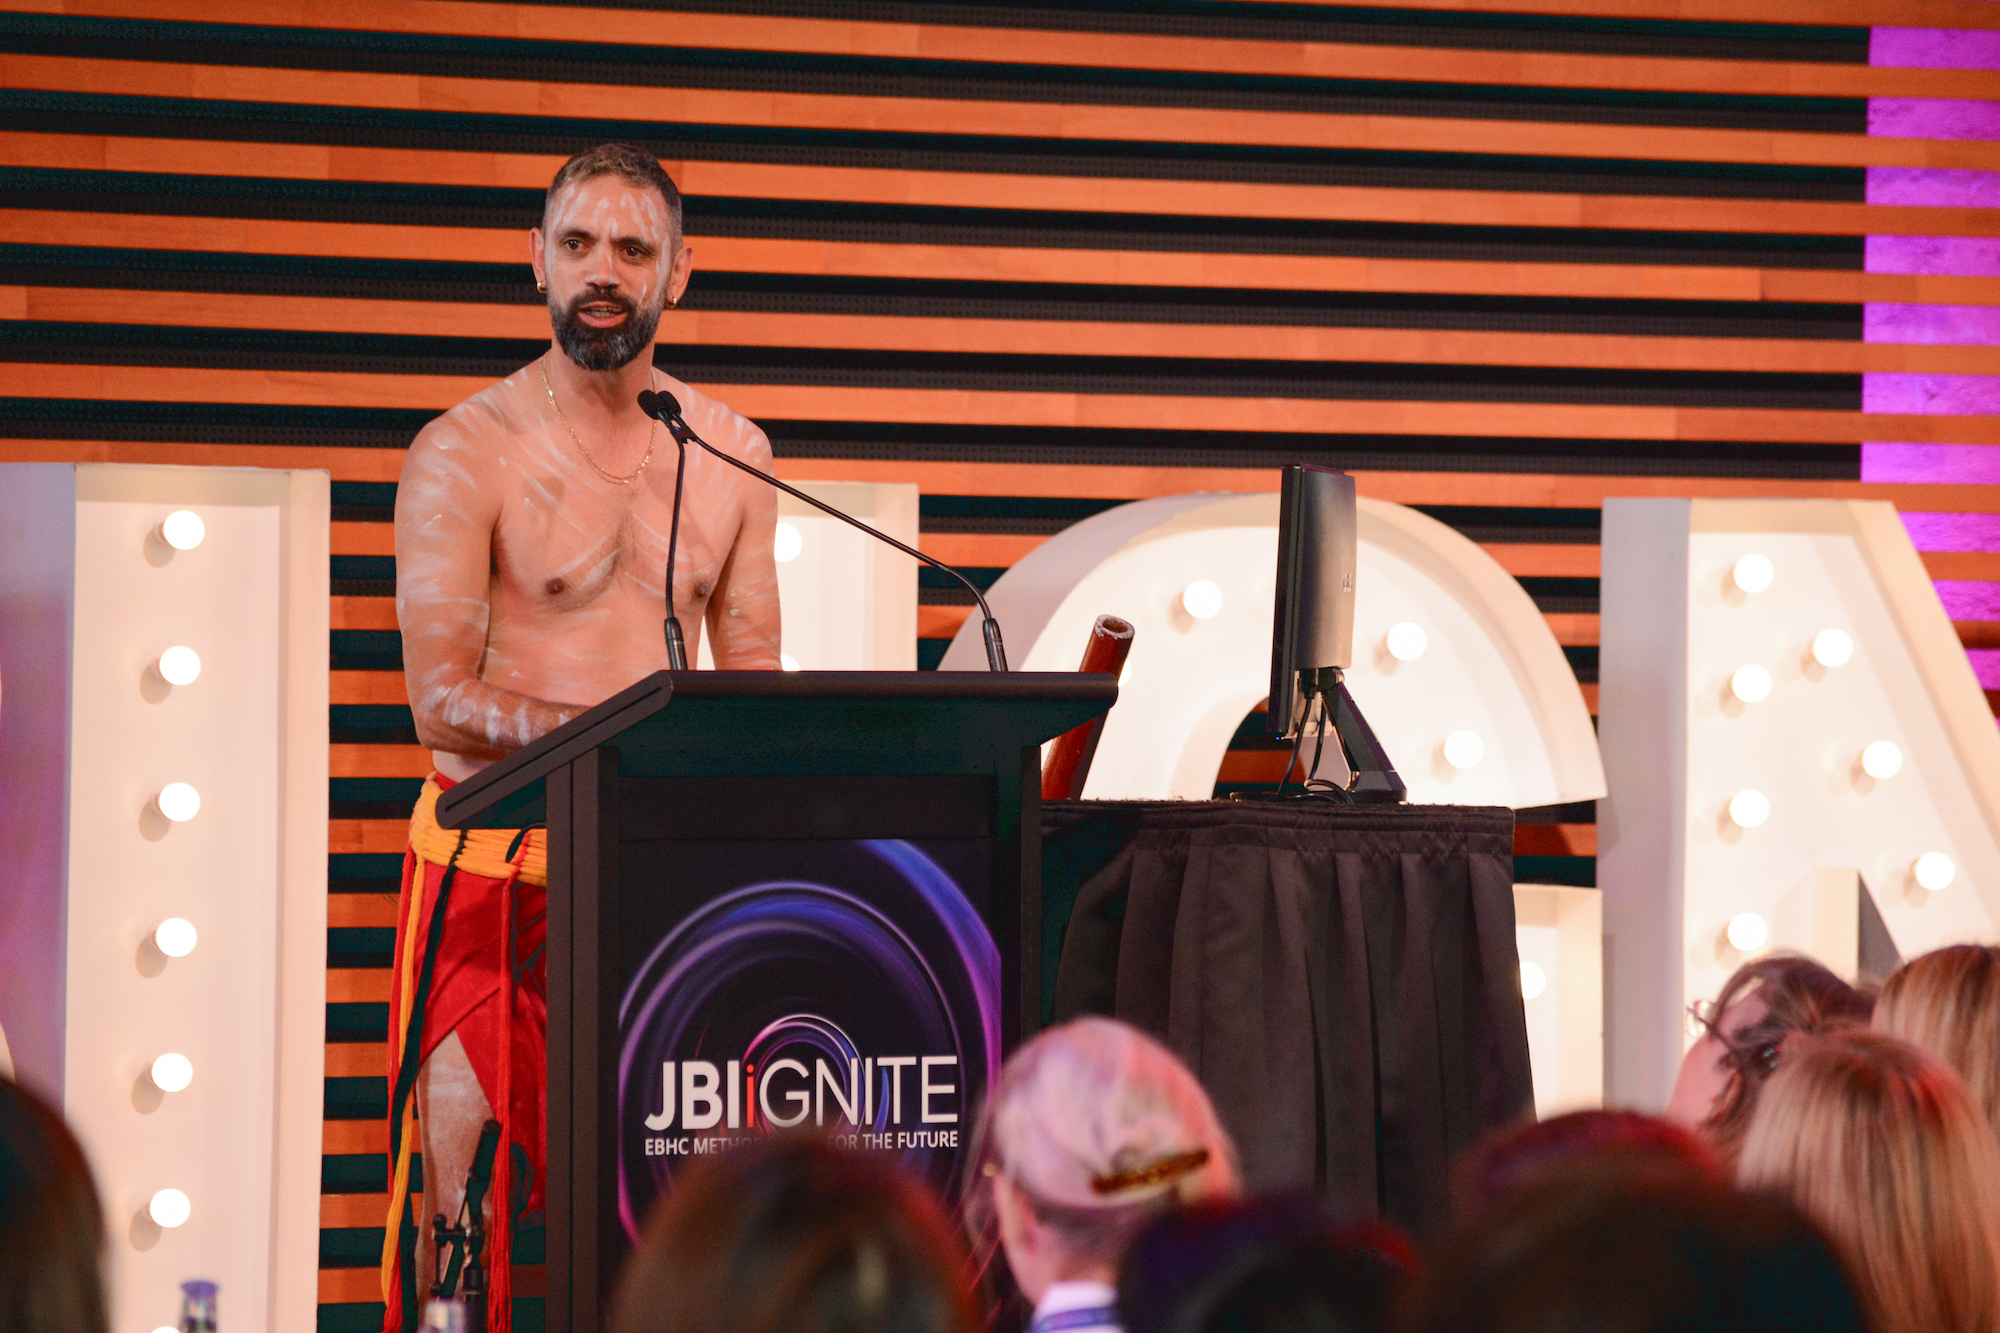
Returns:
(1159, 1173)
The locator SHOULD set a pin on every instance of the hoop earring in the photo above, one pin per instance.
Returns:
(672, 302)
(542, 287)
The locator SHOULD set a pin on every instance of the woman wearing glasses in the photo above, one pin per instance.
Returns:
(1741, 1035)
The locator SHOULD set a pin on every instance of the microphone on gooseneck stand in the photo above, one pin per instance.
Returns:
(677, 650)
(667, 410)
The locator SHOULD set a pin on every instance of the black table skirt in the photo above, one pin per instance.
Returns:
(1343, 980)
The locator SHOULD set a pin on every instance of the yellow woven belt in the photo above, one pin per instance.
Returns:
(485, 851)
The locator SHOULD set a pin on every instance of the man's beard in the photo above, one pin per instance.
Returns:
(605, 349)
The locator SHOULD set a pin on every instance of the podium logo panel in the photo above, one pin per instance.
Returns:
(849, 988)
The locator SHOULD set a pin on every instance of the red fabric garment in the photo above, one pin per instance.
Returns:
(496, 999)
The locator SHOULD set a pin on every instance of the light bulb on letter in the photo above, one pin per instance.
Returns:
(788, 662)
(180, 666)
(178, 802)
(1533, 981)
(1751, 684)
(1463, 749)
(1749, 808)
(786, 544)
(1748, 932)
(172, 1072)
(1935, 871)
(1881, 760)
(1752, 573)
(183, 530)
(175, 937)
(170, 1208)
(1202, 599)
(1832, 647)
(1406, 642)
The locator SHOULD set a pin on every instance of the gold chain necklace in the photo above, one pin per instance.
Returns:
(652, 436)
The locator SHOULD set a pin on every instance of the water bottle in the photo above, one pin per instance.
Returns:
(444, 1316)
(198, 1306)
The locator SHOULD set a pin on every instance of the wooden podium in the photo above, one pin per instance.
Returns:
(835, 876)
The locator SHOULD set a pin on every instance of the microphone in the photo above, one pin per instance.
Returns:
(665, 408)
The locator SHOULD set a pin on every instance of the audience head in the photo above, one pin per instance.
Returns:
(51, 1227)
(790, 1234)
(1091, 1130)
(1605, 1250)
(1880, 1144)
(1948, 1002)
(1745, 1030)
(1279, 1265)
(1510, 1159)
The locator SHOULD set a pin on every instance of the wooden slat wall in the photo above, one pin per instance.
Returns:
(1501, 258)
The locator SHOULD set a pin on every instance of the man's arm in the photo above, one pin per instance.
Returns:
(446, 508)
(743, 610)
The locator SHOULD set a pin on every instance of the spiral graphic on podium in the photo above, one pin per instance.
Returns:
(860, 997)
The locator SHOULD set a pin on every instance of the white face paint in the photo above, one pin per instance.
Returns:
(604, 232)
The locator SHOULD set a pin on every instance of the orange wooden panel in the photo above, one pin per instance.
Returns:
(1252, 766)
(1141, 51)
(357, 985)
(1156, 124)
(344, 464)
(1573, 629)
(369, 687)
(379, 761)
(1962, 564)
(357, 1059)
(1589, 689)
(363, 612)
(1546, 560)
(1023, 337)
(757, 254)
(1851, 13)
(360, 909)
(1555, 840)
(355, 1210)
(347, 836)
(364, 538)
(353, 1286)
(940, 622)
(1125, 411)
(977, 548)
(1978, 633)
(339, 1137)
(1069, 193)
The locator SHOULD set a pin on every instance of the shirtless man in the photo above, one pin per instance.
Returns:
(531, 542)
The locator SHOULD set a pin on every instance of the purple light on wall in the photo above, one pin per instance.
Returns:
(1930, 395)
(1965, 599)
(1953, 532)
(1986, 666)
(1974, 256)
(1919, 394)
(1957, 325)
(1931, 464)
(1933, 118)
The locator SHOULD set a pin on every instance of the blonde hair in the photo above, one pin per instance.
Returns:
(1880, 1144)
(1948, 1002)
(1101, 1127)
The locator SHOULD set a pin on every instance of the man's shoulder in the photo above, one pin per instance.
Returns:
(714, 420)
(497, 412)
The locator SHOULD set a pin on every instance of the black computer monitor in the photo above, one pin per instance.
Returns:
(1313, 622)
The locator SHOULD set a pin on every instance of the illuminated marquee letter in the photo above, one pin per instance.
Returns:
(665, 1119)
(699, 1084)
(798, 1097)
(931, 1089)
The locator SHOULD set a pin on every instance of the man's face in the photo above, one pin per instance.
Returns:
(608, 256)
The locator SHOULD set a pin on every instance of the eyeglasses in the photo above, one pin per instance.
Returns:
(1700, 1019)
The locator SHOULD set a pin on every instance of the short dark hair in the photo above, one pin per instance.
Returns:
(51, 1226)
(789, 1234)
(633, 165)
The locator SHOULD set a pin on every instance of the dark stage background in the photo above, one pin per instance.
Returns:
(1039, 258)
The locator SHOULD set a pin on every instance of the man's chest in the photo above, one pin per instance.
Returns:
(571, 544)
